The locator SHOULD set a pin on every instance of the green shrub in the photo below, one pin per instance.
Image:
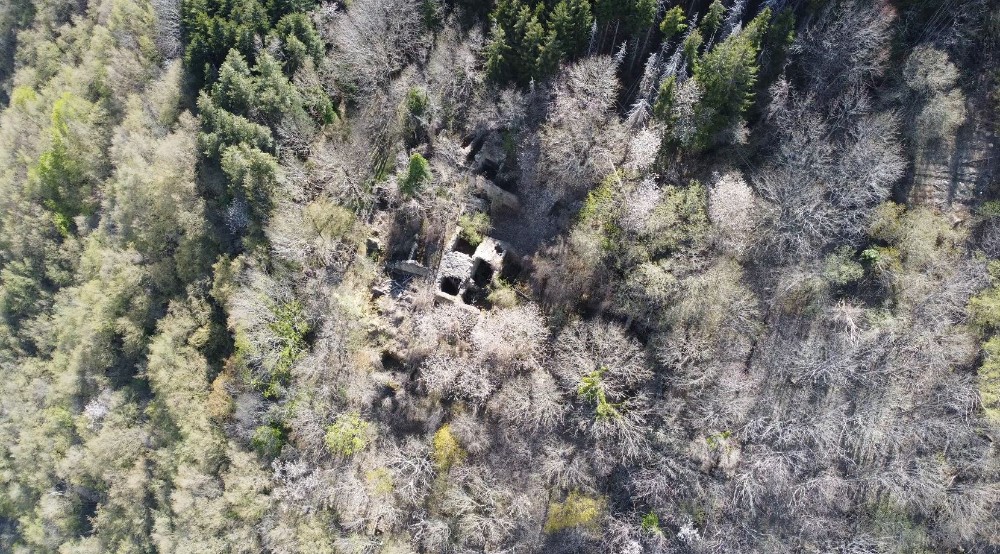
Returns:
(984, 308)
(651, 523)
(290, 328)
(267, 440)
(989, 380)
(418, 175)
(473, 228)
(413, 113)
(841, 268)
(715, 440)
(887, 223)
(882, 260)
(503, 295)
(870, 255)
(984, 315)
(989, 209)
(417, 102)
(892, 520)
(348, 435)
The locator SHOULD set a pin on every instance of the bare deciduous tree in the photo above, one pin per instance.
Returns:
(582, 140)
(823, 183)
(168, 27)
(374, 39)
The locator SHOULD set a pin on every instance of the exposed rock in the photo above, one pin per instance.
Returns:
(496, 195)
(492, 153)
(412, 267)
(955, 173)
(373, 246)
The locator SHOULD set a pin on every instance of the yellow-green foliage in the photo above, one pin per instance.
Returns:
(578, 510)
(804, 296)
(418, 174)
(923, 248)
(592, 390)
(711, 298)
(447, 451)
(681, 219)
(267, 440)
(597, 214)
(891, 520)
(887, 224)
(984, 308)
(841, 267)
(673, 22)
(380, 480)
(984, 314)
(474, 227)
(22, 96)
(503, 295)
(987, 209)
(61, 173)
(715, 440)
(989, 380)
(328, 221)
(290, 327)
(924, 238)
(348, 435)
(883, 260)
(651, 523)
(598, 204)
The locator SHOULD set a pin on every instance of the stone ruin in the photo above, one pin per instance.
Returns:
(466, 272)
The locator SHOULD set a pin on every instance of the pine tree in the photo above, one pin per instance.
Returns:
(252, 175)
(531, 34)
(498, 56)
(665, 99)
(607, 11)
(549, 55)
(299, 41)
(234, 89)
(691, 46)
(713, 19)
(673, 23)
(278, 9)
(221, 129)
(642, 15)
(728, 74)
(212, 29)
(571, 21)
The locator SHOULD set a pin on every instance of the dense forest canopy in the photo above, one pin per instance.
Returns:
(451, 276)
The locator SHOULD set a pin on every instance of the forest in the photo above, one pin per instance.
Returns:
(507, 276)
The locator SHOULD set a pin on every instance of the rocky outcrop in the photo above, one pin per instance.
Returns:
(959, 172)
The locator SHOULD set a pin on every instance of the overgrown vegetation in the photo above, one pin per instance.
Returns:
(738, 286)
